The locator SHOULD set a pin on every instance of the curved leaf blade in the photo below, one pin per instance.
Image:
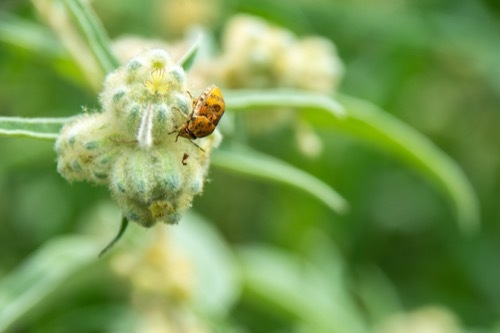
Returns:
(366, 121)
(370, 123)
(251, 163)
(251, 99)
(187, 60)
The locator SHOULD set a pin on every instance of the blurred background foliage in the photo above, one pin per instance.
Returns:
(395, 263)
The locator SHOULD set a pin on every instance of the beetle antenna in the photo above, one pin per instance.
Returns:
(185, 115)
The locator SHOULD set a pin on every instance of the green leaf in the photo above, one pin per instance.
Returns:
(251, 163)
(37, 128)
(262, 99)
(188, 58)
(366, 121)
(94, 32)
(42, 274)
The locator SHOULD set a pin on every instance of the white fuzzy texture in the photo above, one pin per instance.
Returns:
(145, 133)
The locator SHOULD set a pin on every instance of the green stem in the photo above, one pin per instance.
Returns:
(37, 128)
(29, 134)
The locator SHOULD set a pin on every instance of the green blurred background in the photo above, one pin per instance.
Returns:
(433, 64)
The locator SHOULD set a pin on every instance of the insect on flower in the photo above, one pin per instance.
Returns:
(207, 111)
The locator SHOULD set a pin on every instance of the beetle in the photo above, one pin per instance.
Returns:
(206, 113)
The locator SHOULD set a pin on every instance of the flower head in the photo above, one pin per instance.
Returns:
(131, 146)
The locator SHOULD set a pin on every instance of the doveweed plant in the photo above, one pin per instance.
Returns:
(152, 141)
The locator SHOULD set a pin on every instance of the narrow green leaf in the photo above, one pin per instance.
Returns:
(261, 99)
(252, 163)
(28, 134)
(94, 33)
(188, 58)
(367, 122)
(42, 274)
(37, 128)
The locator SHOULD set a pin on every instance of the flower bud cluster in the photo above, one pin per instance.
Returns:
(177, 17)
(163, 285)
(131, 146)
(257, 54)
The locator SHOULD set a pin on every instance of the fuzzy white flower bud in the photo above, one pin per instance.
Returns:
(131, 145)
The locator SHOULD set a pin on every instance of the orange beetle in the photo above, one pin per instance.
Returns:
(207, 111)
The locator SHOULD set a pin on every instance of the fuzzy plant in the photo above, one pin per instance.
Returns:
(128, 145)
(131, 145)
(143, 144)
(135, 145)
